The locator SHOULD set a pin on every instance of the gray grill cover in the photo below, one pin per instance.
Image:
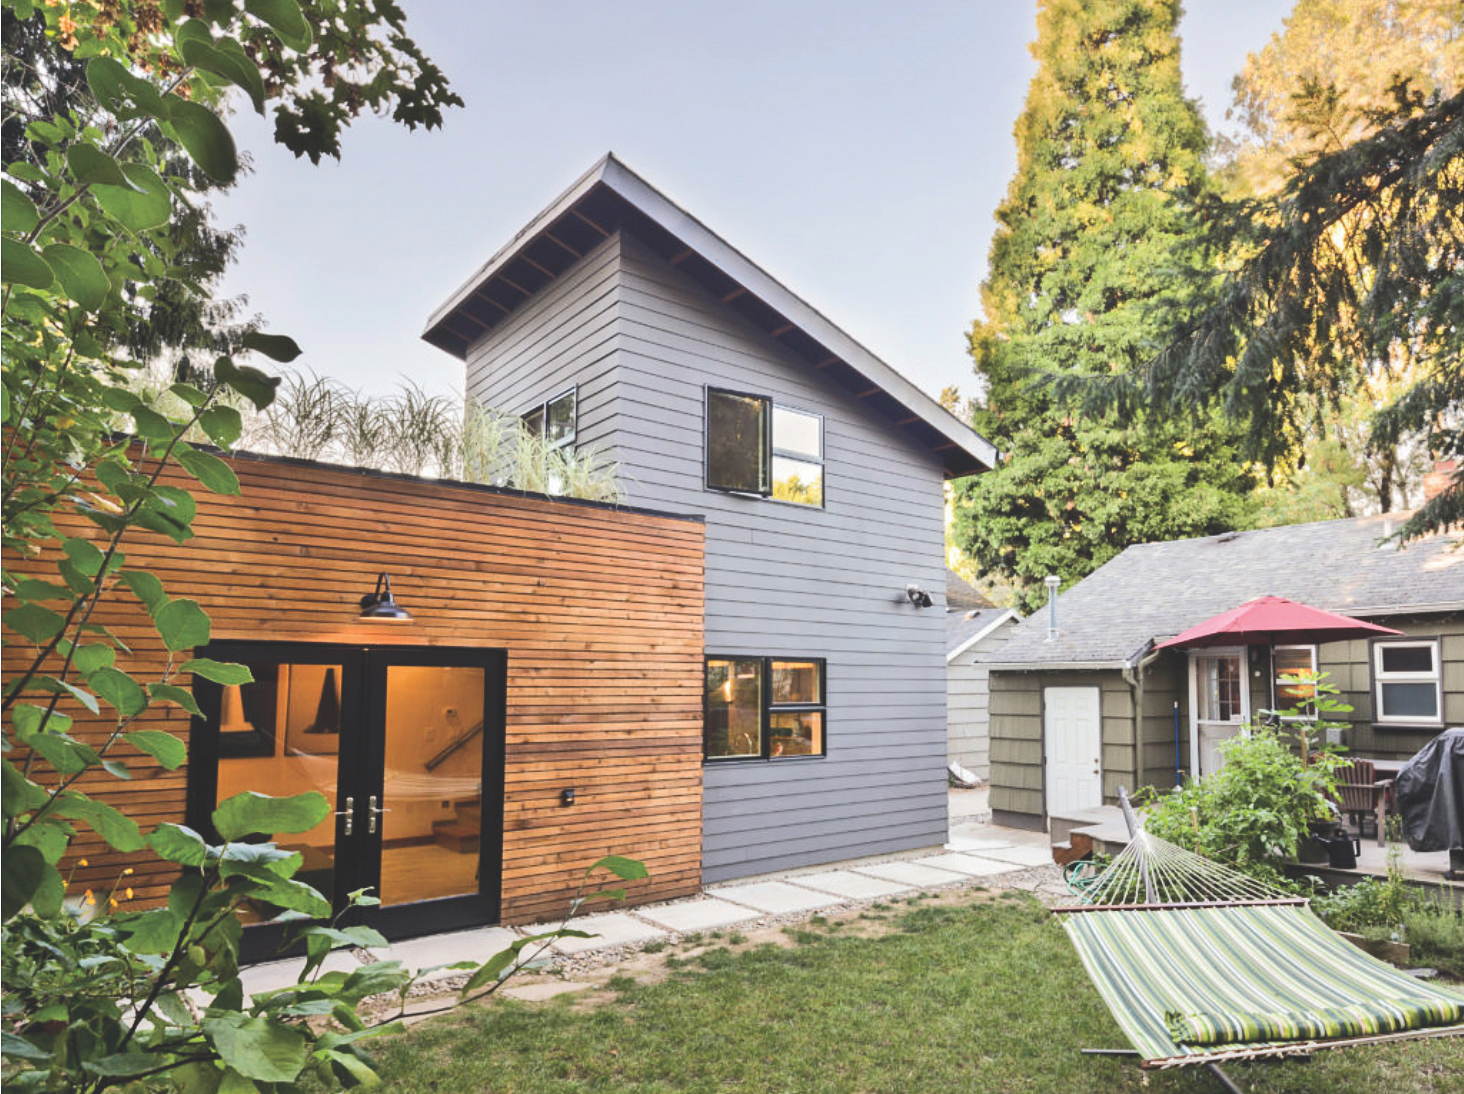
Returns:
(1431, 794)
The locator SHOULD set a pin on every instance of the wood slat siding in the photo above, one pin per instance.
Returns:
(600, 611)
(780, 578)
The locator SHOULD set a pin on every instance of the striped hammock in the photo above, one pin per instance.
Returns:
(1200, 963)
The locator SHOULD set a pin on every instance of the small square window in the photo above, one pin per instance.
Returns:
(1407, 682)
(556, 419)
(1293, 693)
(756, 447)
(763, 708)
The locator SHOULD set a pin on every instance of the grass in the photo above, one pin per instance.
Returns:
(981, 995)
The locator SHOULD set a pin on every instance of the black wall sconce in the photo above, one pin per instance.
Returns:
(566, 796)
(917, 597)
(379, 607)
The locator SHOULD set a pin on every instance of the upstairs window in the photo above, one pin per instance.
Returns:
(757, 447)
(1407, 682)
(555, 419)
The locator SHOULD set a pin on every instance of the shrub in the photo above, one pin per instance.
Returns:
(1256, 809)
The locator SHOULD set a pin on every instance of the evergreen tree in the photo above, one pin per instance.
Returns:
(1110, 175)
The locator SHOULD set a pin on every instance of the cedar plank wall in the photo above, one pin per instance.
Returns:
(601, 612)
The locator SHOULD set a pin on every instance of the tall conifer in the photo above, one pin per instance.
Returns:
(1109, 179)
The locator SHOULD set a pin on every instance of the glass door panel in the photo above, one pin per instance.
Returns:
(281, 735)
(432, 785)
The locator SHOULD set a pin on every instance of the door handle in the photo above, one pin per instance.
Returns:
(349, 812)
(372, 813)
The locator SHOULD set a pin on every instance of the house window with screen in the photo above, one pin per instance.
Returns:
(764, 708)
(755, 446)
(1407, 682)
(1293, 661)
(555, 419)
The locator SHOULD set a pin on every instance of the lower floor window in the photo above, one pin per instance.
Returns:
(764, 708)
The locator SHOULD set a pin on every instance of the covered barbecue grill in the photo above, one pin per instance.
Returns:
(1430, 796)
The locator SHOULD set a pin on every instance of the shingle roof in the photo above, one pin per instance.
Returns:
(1157, 590)
(962, 596)
(961, 627)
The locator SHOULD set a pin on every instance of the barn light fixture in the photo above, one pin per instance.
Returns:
(379, 607)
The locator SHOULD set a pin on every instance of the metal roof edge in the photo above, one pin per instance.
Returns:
(1037, 666)
(1006, 614)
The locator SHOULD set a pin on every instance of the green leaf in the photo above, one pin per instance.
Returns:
(155, 931)
(179, 844)
(626, 869)
(30, 720)
(121, 1064)
(89, 164)
(50, 835)
(88, 659)
(117, 89)
(118, 690)
(251, 814)
(205, 138)
(239, 69)
(82, 696)
(17, 211)
(277, 347)
(35, 589)
(20, 265)
(80, 274)
(38, 624)
(19, 1048)
(159, 519)
(182, 624)
(66, 754)
(84, 555)
(119, 398)
(258, 1048)
(199, 49)
(189, 394)
(220, 672)
(163, 747)
(208, 469)
(173, 502)
(254, 385)
(294, 896)
(120, 832)
(146, 587)
(284, 18)
(21, 871)
(171, 693)
(20, 794)
(223, 424)
(152, 426)
(146, 204)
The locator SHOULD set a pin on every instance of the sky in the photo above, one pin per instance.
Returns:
(856, 150)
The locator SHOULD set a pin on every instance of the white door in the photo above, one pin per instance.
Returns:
(1073, 741)
(1219, 704)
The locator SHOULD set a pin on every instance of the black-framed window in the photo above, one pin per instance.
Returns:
(556, 419)
(1407, 682)
(765, 708)
(755, 446)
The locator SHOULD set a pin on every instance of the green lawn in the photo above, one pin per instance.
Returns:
(982, 995)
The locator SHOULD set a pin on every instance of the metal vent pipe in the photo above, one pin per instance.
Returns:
(1052, 581)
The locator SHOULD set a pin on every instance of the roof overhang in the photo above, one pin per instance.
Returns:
(1054, 666)
(1001, 618)
(610, 198)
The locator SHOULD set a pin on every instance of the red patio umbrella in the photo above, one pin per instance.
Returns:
(1273, 618)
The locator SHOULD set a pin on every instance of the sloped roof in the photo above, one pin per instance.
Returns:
(961, 595)
(964, 628)
(611, 197)
(1154, 591)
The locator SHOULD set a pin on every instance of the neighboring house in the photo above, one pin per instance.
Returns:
(973, 635)
(1077, 715)
(617, 320)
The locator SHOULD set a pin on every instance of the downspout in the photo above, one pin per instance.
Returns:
(1133, 675)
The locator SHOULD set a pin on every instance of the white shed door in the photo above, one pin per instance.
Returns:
(1073, 741)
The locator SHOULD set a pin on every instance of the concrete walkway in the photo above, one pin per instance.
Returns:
(976, 853)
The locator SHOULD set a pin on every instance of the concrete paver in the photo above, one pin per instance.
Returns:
(609, 929)
(696, 915)
(273, 975)
(975, 843)
(910, 872)
(970, 865)
(1022, 855)
(445, 949)
(775, 897)
(849, 885)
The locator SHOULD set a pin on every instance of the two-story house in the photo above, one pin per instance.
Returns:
(616, 319)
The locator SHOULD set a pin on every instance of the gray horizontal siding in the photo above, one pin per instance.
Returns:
(968, 704)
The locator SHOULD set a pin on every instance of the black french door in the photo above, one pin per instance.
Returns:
(406, 743)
